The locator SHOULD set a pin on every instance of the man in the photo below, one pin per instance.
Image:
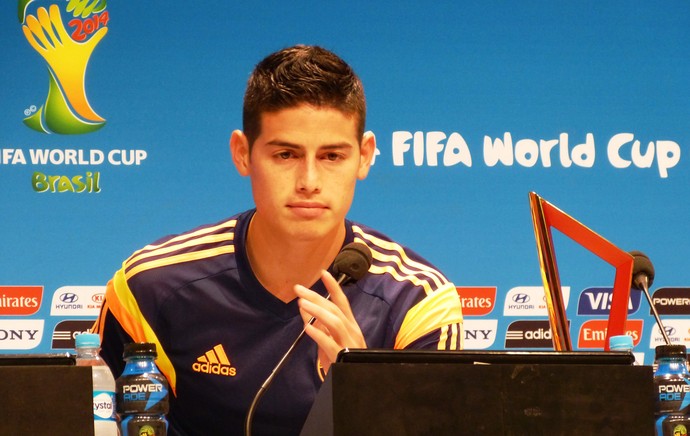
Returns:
(224, 302)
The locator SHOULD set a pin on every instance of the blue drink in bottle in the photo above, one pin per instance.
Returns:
(142, 393)
(672, 390)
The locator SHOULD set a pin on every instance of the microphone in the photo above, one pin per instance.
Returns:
(642, 279)
(351, 264)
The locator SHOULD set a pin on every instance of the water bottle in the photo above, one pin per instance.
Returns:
(621, 343)
(142, 393)
(672, 391)
(104, 418)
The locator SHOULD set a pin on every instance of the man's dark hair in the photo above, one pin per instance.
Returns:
(302, 75)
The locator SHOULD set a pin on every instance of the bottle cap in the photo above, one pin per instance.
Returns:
(621, 342)
(139, 349)
(87, 340)
(671, 351)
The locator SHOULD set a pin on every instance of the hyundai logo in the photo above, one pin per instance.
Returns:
(521, 298)
(670, 330)
(69, 297)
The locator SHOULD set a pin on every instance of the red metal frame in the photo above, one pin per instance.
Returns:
(546, 216)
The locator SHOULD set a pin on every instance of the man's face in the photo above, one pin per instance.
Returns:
(303, 167)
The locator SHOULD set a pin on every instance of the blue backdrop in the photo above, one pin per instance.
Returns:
(473, 105)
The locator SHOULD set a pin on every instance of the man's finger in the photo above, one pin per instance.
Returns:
(337, 295)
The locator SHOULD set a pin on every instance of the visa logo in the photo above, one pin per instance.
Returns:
(597, 301)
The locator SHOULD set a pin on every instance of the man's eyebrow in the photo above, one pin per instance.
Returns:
(279, 143)
(287, 144)
(337, 145)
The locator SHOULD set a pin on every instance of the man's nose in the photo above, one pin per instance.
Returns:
(309, 176)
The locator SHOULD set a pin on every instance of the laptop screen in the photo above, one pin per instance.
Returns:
(486, 357)
(37, 359)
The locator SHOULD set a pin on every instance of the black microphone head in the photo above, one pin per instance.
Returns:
(642, 265)
(353, 260)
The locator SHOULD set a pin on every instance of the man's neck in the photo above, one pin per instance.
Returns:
(280, 263)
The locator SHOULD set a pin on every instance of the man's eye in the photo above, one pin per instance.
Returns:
(333, 156)
(284, 155)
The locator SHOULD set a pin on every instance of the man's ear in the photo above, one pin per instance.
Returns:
(367, 149)
(239, 149)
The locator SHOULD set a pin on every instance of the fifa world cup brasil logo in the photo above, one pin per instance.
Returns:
(65, 33)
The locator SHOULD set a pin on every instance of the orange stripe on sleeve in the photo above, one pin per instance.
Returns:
(100, 321)
(124, 307)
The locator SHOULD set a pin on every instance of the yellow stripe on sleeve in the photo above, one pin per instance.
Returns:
(443, 338)
(180, 258)
(454, 337)
(406, 265)
(439, 309)
(173, 241)
(210, 239)
(374, 269)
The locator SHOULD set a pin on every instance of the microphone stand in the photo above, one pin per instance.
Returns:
(352, 262)
(260, 393)
(642, 282)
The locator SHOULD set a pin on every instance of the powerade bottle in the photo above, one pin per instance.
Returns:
(142, 393)
(672, 390)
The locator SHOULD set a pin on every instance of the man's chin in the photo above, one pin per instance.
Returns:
(311, 231)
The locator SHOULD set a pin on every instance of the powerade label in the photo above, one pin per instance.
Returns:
(672, 396)
(143, 393)
(672, 404)
(104, 406)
